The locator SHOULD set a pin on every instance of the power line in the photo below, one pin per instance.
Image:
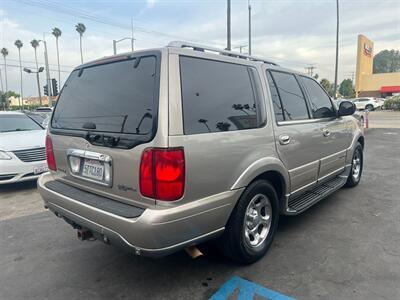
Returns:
(17, 66)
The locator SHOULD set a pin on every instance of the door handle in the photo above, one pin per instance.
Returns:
(284, 139)
(326, 132)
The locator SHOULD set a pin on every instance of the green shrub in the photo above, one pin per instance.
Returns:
(393, 103)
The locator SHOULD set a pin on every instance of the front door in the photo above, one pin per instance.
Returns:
(334, 134)
(296, 134)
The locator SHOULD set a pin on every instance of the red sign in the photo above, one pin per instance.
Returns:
(390, 89)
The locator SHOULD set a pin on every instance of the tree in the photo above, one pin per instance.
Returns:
(80, 28)
(57, 33)
(19, 44)
(387, 61)
(35, 44)
(327, 86)
(4, 52)
(346, 89)
(4, 96)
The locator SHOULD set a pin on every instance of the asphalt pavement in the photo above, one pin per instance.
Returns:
(345, 247)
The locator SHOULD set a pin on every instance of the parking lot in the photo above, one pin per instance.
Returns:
(345, 247)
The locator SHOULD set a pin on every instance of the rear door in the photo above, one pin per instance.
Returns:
(107, 114)
(296, 134)
(334, 136)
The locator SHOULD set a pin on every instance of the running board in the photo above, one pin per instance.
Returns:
(301, 203)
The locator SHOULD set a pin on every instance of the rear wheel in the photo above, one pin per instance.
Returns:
(369, 107)
(356, 167)
(252, 224)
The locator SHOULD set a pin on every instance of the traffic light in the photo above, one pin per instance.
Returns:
(46, 90)
(55, 86)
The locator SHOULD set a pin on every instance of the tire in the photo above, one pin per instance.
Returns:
(355, 176)
(369, 107)
(235, 242)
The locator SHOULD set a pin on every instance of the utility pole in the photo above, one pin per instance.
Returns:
(337, 47)
(228, 27)
(310, 70)
(132, 34)
(249, 28)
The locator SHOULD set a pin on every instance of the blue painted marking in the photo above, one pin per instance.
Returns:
(246, 290)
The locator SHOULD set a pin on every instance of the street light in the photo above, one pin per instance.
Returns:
(37, 80)
(117, 41)
(46, 61)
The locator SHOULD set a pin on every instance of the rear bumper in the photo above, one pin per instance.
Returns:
(157, 231)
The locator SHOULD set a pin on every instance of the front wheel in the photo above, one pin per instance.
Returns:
(252, 224)
(369, 107)
(356, 167)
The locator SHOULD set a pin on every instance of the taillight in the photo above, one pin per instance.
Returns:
(162, 173)
(51, 161)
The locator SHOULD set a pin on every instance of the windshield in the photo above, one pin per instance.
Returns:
(9, 123)
(118, 97)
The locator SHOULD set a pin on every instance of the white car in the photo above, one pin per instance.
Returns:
(22, 148)
(369, 103)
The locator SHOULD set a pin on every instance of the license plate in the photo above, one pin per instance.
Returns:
(93, 169)
(40, 169)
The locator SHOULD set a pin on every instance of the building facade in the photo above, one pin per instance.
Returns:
(368, 84)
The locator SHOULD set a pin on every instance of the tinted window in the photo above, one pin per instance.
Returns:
(292, 98)
(217, 96)
(275, 99)
(118, 97)
(321, 105)
(10, 123)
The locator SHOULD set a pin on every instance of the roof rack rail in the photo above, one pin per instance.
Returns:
(198, 47)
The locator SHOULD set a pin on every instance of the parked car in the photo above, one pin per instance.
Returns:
(22, 148)
(197, 143)
(369, 103)
(44, 109)
(42, 118)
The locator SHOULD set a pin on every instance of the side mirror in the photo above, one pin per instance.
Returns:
(346, 108)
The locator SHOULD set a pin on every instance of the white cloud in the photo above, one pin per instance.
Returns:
(151, 3)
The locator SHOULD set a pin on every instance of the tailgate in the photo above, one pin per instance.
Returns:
(108, 112)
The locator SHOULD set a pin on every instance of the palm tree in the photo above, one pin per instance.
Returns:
(35, 44)
(80, 28)
(4, 52)
(19, 44)
(57, 33)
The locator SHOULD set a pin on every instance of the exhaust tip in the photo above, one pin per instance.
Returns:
(193, 252)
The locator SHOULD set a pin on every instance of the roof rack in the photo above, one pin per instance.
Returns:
(198, 47)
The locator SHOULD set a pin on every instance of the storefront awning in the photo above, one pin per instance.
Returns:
(390, 89)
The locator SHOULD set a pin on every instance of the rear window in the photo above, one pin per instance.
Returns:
(118, 97)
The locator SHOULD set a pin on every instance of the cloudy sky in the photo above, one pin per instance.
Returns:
(294, 33)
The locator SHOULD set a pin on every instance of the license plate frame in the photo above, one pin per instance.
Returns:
(93, 169)
(94, 159)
